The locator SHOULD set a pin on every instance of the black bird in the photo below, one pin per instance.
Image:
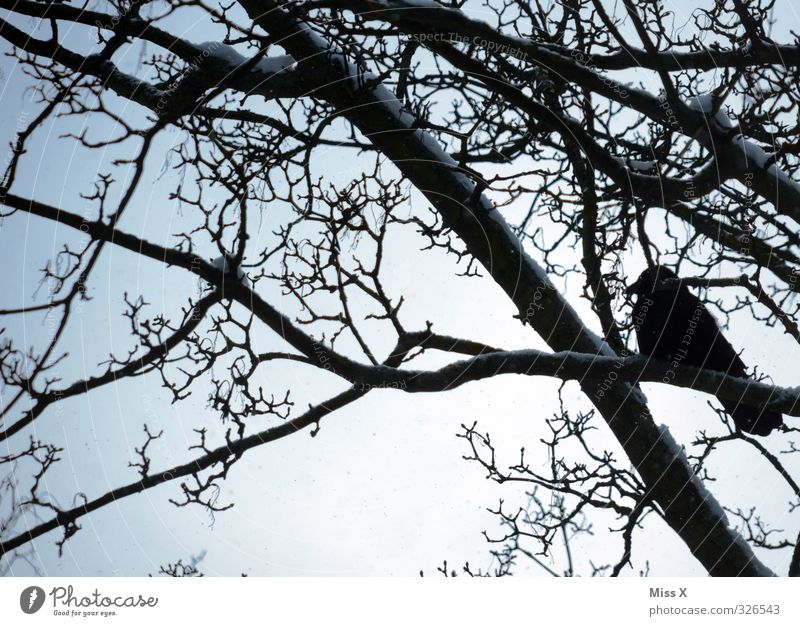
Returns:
(672, 324)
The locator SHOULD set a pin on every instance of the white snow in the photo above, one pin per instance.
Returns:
(273, 65)
(677, 453)
(704, 103)
(434, 146)
(716, 509)
(221, 51)
(754, 154)
(223, 265)
(391, 102)
(268, 65)
(642, 166)
(784, 178)
(427, 4)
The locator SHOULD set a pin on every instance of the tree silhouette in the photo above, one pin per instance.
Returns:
(263, 166)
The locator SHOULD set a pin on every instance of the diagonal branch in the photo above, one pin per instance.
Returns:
(67, 518)
(688, 507)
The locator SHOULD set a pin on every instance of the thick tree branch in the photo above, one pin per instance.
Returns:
(378, 115)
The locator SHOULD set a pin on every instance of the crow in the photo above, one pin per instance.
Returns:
(672, 324)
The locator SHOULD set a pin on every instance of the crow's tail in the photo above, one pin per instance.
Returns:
(752, 420)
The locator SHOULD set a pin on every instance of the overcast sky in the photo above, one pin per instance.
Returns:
(382, 489)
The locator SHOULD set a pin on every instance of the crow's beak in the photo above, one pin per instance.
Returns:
(632, 289)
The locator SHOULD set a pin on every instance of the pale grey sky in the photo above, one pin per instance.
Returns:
(382, 489)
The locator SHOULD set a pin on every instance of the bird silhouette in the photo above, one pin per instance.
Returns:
(672, 324)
